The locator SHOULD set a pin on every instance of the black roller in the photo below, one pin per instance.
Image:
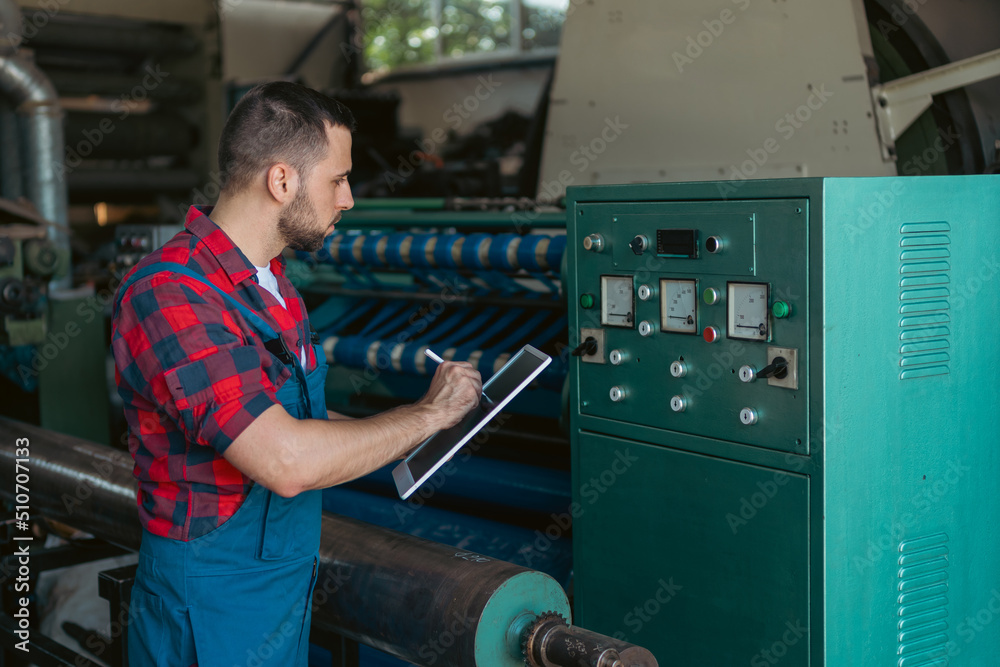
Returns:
(419, 600)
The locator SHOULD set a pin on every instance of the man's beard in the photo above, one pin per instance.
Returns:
(297, 224)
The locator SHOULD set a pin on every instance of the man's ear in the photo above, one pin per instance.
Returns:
(282, 182)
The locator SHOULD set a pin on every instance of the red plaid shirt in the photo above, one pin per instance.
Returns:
(193, 375)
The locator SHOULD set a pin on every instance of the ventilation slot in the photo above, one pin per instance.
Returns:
(923, 602)
(924, 300)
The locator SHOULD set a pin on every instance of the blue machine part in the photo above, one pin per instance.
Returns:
(474, 297)
(548, 551)
(13, 361)
(515, 485)
(389, 334)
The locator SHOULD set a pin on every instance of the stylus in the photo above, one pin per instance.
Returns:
(433, 356)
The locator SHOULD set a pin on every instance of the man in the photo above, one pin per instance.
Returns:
(224, 398)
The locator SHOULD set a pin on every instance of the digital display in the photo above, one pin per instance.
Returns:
(677, 242)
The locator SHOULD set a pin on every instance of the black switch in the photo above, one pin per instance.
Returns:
(586, 348)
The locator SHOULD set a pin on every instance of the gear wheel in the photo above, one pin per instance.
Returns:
(536, 631)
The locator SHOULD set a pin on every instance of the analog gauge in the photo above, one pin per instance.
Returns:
(617, 301)
(679, 306)
(748, 303)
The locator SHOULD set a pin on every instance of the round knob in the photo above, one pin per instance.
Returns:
(781, 309)
(617, 394)
(678, 403)
(594, 243)
(678, 369)
(646, 328)
(616, 357)
(713, 244)
(748, 416)
(41, 258)
(748, 373)
(711, 296)
(12, 295)
(711, 334)
(645, 292)
(639, 244)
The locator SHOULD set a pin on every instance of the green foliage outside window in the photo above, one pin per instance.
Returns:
(409, 32)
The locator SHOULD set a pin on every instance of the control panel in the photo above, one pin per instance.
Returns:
(701, 307)
(133, 242)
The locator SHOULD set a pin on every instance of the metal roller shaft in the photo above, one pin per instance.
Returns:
(421, 601)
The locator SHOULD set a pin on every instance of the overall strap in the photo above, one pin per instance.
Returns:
(272, 341)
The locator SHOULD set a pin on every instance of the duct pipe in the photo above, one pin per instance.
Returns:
(37, 103)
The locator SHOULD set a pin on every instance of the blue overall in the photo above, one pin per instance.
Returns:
(239, 595)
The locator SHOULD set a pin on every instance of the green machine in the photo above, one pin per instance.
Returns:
(785, 420)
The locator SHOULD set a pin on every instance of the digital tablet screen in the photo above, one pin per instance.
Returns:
(497, 392)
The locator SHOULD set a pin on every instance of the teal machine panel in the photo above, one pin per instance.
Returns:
(785, 426)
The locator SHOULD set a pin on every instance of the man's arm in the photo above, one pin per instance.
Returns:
(289, 455)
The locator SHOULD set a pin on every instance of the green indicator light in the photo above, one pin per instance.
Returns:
(711, 296)
(781, 309)
(587, 300)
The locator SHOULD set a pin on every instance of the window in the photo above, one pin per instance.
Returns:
(405, 32)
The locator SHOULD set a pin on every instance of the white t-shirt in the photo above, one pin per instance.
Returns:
(267, 280)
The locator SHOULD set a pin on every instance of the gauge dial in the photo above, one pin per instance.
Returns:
(617, 301)
(679, 306)
(748, 308)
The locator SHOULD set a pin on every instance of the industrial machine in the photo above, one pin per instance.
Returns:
(784, 419)
(421, 601)
(736, 89)
(473, 281)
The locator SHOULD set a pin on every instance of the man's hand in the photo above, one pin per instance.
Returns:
(289, 455)
(454, 391)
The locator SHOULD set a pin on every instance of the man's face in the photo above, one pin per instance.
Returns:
(322, 196)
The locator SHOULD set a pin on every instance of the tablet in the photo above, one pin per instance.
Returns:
(498, 391)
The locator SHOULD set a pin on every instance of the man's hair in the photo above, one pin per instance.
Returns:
(277, 122)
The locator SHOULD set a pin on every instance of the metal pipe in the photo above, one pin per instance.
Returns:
(456, 300)
(418, 600)
(38, 104)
